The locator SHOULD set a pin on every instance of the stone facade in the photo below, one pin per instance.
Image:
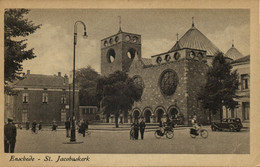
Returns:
(171, 81)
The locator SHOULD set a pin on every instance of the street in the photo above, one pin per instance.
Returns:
(105, 141)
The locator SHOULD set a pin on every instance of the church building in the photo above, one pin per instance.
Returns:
(171, 80)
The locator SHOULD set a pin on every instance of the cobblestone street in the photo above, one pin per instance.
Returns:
(108, 141)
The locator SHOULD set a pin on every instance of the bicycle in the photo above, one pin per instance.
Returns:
(168, 132)
(196, 132)
(87, 132)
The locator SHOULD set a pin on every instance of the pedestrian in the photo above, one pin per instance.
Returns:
(9, 136)
(34, 124)
(136, 129)
(142, 127)
(40, 125)
(83, 128)
(27, 125)
(67, 127)
(54, 126)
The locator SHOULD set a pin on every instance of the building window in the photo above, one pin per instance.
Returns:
(25, 97)
(63, 115)
(63, 99)
(159, 60)
(167, 58)
(45, 97)
(168, 82)
(111, 55)
(24, 116)
(244, 81)
(177, 56)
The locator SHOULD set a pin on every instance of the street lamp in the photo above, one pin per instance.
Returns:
(73, 135)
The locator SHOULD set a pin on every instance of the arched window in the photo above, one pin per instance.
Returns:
(111, 55)
(159, 60)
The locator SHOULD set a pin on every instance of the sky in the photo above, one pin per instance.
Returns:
(53, 42)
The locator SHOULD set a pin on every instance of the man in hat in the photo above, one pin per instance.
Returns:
(10, 136)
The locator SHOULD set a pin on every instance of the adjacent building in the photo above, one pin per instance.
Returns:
(43, 98)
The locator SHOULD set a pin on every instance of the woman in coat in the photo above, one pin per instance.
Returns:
(136, 129)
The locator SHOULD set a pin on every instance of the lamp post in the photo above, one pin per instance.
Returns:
(73, 135)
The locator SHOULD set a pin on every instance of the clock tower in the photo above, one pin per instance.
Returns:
(118, 52)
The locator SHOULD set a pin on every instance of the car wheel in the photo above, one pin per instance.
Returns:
(238, 130)
(213, 128)
(231, 128)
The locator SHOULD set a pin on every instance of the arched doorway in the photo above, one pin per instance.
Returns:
(147, 116)
(160, 113)
(173, 113)
(107, 118)
(136, 114)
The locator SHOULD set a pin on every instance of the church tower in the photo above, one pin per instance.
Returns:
(118, 51)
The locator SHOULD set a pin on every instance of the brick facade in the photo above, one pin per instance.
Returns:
(47, 99)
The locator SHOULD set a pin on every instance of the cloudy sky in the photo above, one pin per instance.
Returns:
(53, 42)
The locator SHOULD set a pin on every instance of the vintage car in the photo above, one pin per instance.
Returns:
(231, 124)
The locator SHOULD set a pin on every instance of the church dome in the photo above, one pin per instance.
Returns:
(194, 39)
(233, 53)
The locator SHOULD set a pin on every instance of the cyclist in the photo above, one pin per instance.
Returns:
(195, 123)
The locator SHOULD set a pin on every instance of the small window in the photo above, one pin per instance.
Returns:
(200, 56)
(45, 98)
(135, 39)
(159, 60)
(25, 97)
(244, 81)
(192, 55)
(105, 43)
(116, 38)
(177, 56)
(167, 58)
(63, 99)
(127, 38)
(111, 41)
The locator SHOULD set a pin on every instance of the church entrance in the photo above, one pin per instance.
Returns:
(173, 113)
(107, 118)
(159, 115)
(147, 116)
(136, 114)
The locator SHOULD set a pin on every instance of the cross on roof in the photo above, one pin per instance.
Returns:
(177, 35)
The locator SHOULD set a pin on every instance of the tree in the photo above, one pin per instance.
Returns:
(117, 93)
(16, 27)
(87, 78)
(220, 88)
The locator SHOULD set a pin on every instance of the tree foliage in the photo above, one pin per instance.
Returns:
(117, 93)
(16, 28)
(87, 78)
(221, 86)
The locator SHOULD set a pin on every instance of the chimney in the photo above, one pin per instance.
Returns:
(28, 72)
(59, 74)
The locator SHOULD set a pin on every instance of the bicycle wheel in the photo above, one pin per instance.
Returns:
(169, 134)
(157, 134)
(204, 133)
